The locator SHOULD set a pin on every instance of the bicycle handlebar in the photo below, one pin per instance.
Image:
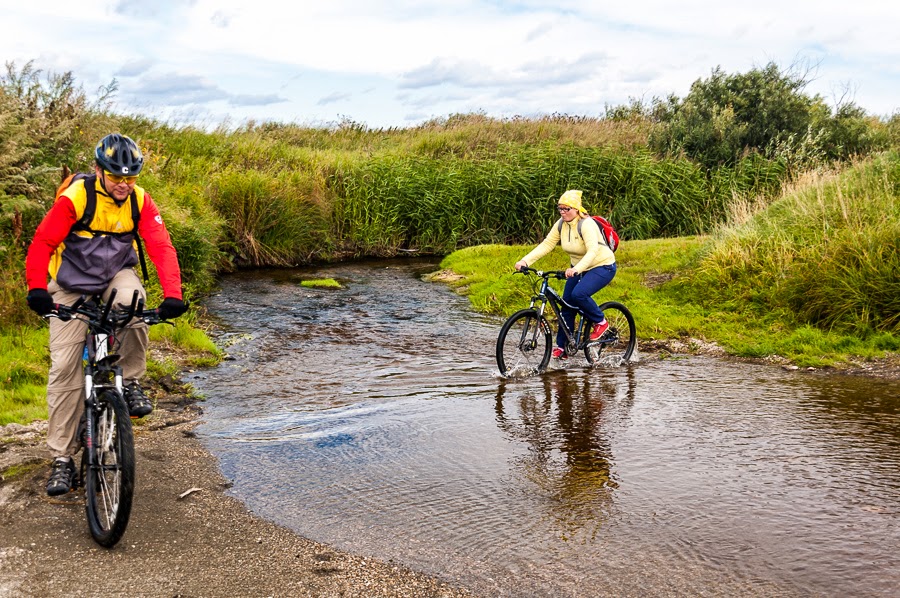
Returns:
(558, 274)
(102, 315)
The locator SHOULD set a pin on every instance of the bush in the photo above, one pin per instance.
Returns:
(764, 110)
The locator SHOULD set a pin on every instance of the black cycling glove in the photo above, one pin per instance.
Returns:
(40, 301)
(172, 308)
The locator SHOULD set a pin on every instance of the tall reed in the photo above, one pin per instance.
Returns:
(438, 204)
(275, 217)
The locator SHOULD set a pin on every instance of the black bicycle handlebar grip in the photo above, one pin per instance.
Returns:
(133, 306)
(112, 296)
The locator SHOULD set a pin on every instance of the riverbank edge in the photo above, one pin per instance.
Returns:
(186, 535)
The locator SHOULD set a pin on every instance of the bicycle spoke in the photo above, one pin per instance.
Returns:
(108, 475)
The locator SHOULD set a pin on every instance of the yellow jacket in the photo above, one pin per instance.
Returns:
(586, 250)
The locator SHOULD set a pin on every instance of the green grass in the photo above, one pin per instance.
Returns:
(825, 254)
(24, 361)
(189, 341)
(21, 470)
(493, 287)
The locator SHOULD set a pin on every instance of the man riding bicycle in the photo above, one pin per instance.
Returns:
(592, 265)
(94, 258)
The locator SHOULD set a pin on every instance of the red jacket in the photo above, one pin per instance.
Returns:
(44, 254)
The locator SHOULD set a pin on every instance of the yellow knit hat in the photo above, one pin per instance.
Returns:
(572, 198)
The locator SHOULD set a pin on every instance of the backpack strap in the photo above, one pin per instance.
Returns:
(580, 222)
(90, 206)
(136, 217)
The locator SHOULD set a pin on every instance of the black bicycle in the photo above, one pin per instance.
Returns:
(526, 338)
(107, 462)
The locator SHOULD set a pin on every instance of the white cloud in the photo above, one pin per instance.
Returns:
(396, 62)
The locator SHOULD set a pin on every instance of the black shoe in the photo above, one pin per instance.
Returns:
(138, 403)
(62, 476)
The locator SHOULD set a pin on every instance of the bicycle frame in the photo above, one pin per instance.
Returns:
(100, 373)
(549, 295)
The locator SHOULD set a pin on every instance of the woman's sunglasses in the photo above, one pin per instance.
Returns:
(564, 208)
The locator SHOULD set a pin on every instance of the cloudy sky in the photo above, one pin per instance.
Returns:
(399, 62)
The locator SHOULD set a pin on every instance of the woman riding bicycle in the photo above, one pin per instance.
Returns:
(592, 265)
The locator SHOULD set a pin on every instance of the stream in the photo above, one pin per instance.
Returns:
(372, 418)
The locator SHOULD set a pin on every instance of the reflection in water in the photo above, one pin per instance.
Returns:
(569, 461)
(371, 418)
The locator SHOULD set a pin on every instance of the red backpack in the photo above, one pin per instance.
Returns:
(607, 231)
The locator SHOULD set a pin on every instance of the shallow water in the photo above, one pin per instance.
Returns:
(371, 418)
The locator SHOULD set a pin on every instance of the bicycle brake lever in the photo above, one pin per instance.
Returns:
(152, 317)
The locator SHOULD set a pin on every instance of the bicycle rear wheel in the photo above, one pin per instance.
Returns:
(524, 344)
(617, 343)
(109, 487)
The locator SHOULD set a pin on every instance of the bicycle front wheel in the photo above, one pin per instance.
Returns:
(524, 344)
(109, 487)
(617, 343)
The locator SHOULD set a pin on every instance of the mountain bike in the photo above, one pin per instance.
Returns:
(526, 338)
(107, 462)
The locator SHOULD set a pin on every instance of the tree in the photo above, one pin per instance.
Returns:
(727, 116)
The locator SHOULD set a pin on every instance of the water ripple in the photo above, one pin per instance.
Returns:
(373, 418)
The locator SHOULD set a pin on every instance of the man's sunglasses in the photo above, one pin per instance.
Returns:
(116, 179)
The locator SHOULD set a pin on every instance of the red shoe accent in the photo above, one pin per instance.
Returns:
(559, 353)
(598, 329)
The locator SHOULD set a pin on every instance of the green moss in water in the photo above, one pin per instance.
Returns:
(321, 283)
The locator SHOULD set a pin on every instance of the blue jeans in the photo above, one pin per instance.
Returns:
(578, 292)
